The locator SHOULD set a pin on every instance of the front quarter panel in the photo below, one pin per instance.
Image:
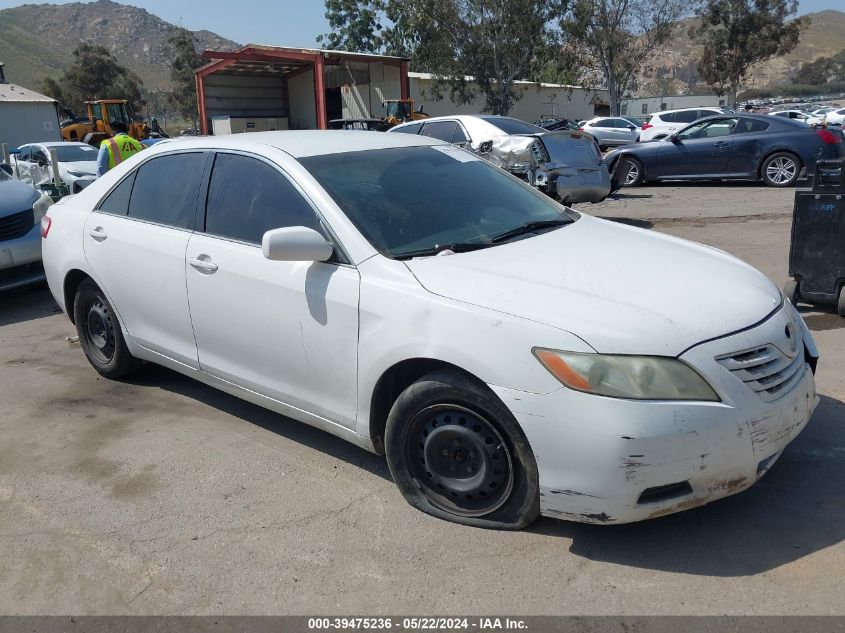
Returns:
(400, 320)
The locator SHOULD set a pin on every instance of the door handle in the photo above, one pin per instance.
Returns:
(98, 234)
(203, 263)
(721, 144)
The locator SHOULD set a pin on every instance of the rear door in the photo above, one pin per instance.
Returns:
(286, 330)
(747, 146)
(135, 242)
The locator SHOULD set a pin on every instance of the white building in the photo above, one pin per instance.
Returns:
(537, 100)
(648, 105)
(26, 116)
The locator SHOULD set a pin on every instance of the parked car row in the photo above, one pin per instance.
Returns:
(565, 163)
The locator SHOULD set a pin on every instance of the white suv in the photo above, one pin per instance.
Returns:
(663, 124)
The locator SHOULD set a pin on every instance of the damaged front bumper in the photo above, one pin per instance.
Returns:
(606, 460)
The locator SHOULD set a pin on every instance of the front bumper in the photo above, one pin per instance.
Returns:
(20, 260)
(607, 460)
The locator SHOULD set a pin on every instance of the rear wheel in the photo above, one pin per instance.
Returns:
(99, 333)
(457, 453)
(780, 169)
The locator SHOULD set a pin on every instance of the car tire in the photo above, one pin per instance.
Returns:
(631, 172)
(840, 306)
(100, 335)
(781, 169)
(457, 453)
(792, 292)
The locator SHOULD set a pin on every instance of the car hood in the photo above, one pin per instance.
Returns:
(621, 289)
(16, 196)
(82, 166)
(649, 148)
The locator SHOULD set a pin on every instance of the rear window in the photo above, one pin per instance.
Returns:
(414, 128)
(511, 126)
(572, 149)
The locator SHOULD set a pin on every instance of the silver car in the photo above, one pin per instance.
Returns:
(21, 209)
(612, 131)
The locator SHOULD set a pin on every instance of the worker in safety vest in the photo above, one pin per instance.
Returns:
(117, 149)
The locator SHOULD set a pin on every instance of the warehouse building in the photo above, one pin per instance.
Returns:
(25, 115)
(258, 88)
(278, 88)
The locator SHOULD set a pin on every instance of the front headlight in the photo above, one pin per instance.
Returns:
(40, 207)
(635, 377)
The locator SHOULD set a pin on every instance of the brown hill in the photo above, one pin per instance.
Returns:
(37, 40)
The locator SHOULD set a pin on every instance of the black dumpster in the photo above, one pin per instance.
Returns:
(817, 247)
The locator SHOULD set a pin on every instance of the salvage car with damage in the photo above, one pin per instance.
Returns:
(566, 164)
(511, 356)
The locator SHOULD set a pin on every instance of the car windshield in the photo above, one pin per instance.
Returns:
(512, 126)
(415, 198)
(75, 153)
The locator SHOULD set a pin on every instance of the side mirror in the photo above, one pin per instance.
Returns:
(296, 244)
(7, 168)
(486, 147)
(632, 127)
(675, 138)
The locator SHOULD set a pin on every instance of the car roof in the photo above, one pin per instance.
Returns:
(703, 107)
(300, 143)
(765, 118)
(58, 143)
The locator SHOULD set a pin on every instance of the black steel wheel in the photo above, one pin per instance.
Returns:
(456, 452)
(459, 459)
(99, 333)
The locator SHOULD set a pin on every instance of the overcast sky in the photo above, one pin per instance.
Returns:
(282, 22)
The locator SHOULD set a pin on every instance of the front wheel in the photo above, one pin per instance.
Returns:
(780, 169)
(632, 172)
(99, 333)
(457, 453)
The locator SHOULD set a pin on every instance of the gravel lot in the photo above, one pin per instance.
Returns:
(162, 496)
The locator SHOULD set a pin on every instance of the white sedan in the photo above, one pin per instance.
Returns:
(77, 162)
(510, 356)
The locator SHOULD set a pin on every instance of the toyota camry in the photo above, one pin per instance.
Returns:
(510, 356)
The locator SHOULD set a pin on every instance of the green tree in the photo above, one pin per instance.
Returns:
(186, 59)
(472, 46)
(817, 72)
(356, 25)
(618, 37)
(736, 34)
(94, 74)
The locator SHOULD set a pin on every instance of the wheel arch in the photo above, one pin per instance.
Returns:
(393, 381)
(778, 150)
(73, 278)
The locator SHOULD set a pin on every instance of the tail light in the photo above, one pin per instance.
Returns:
(580, 128)
(828, 137)
(46, 223)
(647, 125)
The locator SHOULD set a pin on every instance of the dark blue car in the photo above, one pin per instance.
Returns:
(729, 147)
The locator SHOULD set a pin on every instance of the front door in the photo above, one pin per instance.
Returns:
(286, 330)
(700, 150)
(135, 242)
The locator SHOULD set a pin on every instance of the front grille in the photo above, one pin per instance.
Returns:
(17, 225)
(766, 370)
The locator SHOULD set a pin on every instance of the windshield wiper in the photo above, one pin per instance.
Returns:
(460, 247)
(529, 227)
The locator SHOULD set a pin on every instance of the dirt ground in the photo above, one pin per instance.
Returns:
(162, 496)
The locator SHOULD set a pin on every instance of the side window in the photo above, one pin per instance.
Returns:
(409, 129)
(670, 117)
(687, 116)
(459, 136)
(26, 154)
(603, 123)
(117, 202)
(247, 197)
(166, 189)
(442, 130)
(745, 126)
(39, 156)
